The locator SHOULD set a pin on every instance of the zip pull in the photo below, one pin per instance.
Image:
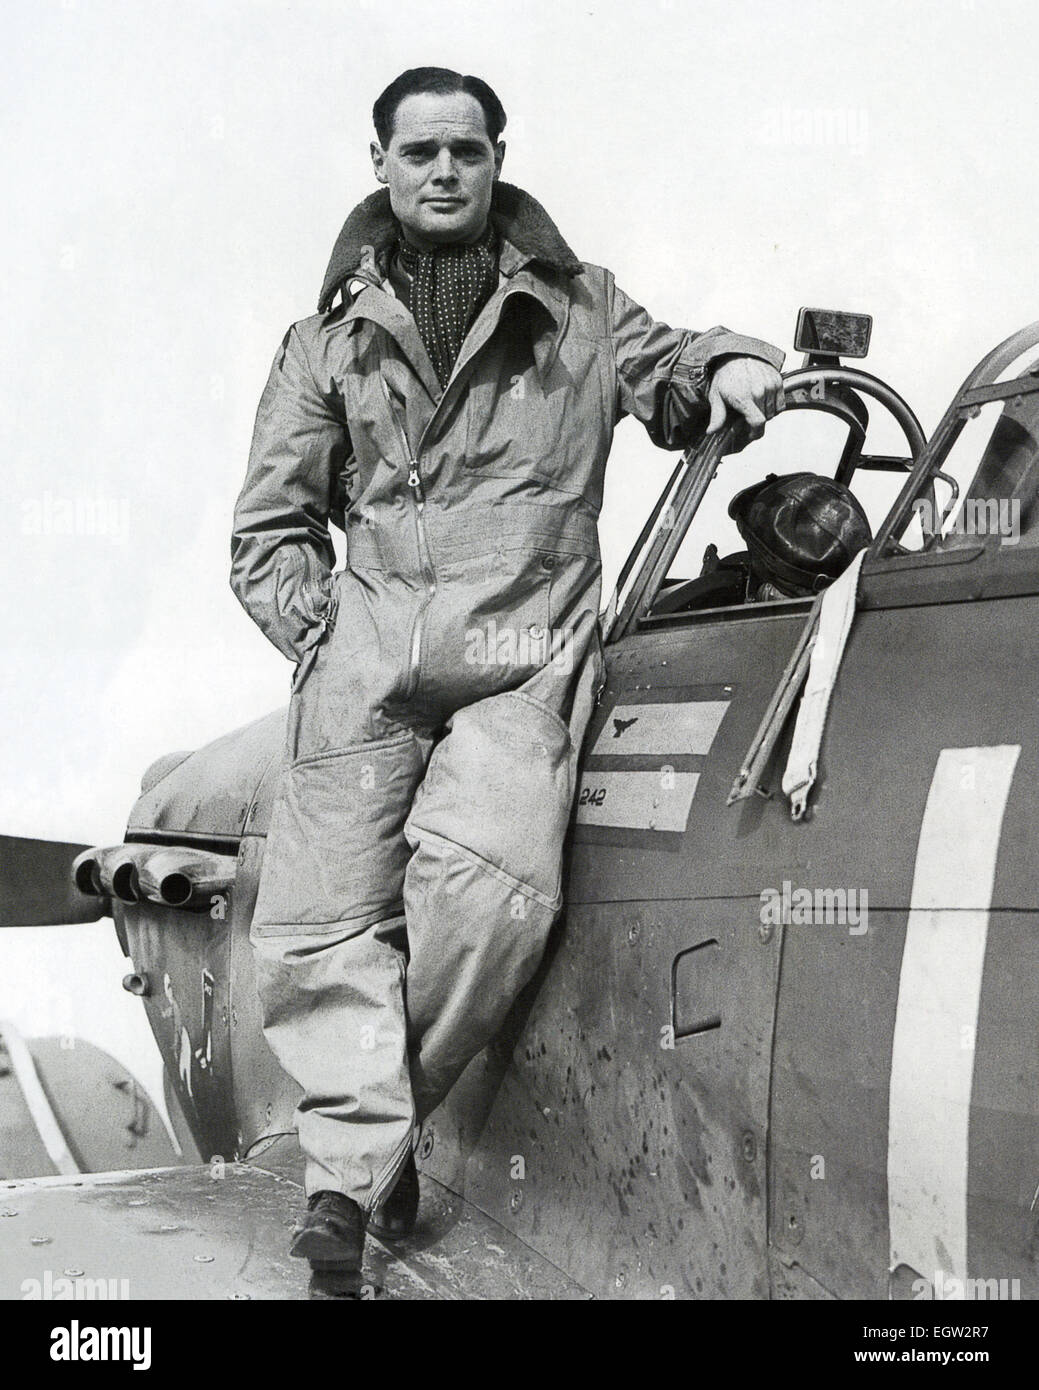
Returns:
(414, 481)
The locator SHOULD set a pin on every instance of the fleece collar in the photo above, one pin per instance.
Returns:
(371, 229)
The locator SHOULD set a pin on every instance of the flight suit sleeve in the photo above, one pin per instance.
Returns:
(663, 373)
(282, 555)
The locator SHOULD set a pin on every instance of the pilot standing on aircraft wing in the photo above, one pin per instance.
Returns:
(452, 404)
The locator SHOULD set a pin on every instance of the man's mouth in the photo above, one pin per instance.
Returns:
(445, 202)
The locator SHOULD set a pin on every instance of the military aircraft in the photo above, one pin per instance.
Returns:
(784, 1042)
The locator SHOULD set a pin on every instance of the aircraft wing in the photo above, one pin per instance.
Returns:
(221, 1232)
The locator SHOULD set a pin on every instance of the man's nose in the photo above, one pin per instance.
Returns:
(444, 169)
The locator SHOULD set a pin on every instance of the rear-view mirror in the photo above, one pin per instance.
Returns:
(833, 332)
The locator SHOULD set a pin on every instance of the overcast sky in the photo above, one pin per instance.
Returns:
(175, 175)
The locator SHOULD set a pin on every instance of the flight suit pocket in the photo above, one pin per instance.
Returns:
(496, 632)
(324, 625)
(336, 852)
(498, 789)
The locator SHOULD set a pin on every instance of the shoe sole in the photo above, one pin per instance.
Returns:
(326, 1244)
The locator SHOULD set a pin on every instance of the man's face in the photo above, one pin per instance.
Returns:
(440, 167)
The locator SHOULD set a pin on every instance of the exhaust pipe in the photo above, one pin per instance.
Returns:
(175, 876)
(181, 877)
(103, 872)
(86, 873)
(114, 870)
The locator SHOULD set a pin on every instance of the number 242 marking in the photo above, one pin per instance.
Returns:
(592, 796)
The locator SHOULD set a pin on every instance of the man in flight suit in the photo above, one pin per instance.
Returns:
(452, 405)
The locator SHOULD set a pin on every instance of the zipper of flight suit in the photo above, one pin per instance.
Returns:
(415, 486)
(425, 556)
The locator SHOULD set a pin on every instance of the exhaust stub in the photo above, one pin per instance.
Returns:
(174, 876)
(189, 878)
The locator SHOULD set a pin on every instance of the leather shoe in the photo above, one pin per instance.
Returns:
(330, 1233)
(397, 1215)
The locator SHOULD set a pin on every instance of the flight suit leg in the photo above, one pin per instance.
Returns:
(483, 885)
(333, 1010)
(326, 929)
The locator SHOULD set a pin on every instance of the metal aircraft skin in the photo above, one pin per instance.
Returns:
(765, 1057)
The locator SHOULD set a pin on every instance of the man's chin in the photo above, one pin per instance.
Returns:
(447, 226)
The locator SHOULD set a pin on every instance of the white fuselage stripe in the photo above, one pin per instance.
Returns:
(932, 1061)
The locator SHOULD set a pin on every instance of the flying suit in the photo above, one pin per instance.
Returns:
(445, 675)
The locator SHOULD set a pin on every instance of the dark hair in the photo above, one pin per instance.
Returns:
(442, 82)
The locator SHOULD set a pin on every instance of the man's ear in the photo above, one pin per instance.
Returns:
(379, 161)
(499, 155)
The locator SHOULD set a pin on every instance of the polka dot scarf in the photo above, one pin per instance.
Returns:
(449, 286)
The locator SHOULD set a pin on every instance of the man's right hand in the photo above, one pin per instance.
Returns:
(747, 392)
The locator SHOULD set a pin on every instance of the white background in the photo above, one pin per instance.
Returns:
(174, 175)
